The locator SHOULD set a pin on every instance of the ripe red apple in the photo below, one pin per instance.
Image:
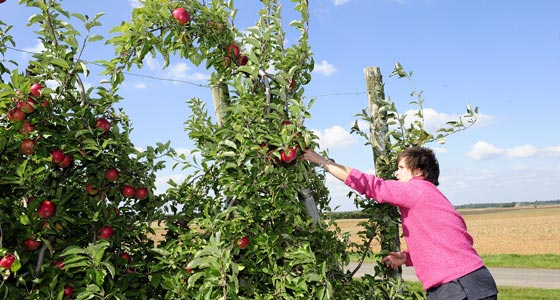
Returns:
(59, 264)
(46, 209)
(243, 60)
(128, 191)
(27, 146)
(181, 15)
(7, 261)
(32, 244)
(189, 270)
(142, 193)
(289, 155)
(232, 50)
(103, 124)
(125, 256)
(66, 161)
(16, 115)
(111, 174)
(91, 190)
(35, 89)
(68, 291)
(242, 243)
(27, 106)
(106, 232)
(57, 156)
(26, 127)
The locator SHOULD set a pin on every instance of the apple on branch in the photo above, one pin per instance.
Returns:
(106, 232)
(128, 191)
(46, 209)
(35, 89)
(181, 15)
(242, 243)
(32, 244)
(111, 174)
(7, 261)
(27, 146)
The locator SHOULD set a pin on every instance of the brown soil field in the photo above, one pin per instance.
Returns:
(520, 230)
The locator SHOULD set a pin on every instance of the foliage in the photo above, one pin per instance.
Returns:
(62, 115)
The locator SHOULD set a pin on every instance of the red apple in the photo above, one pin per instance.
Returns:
(26, 127)
(242, 243)
(7, 261)
(66, 161)
(189, 270)
(142, 193)
(128, 191)
(106, 232)
(68, 291)
(289, 155)
(103, 124)
(32, 244)
(91, 190)
(59, 264)
(27, 146)
(16, 115)
(2, 1)
(181, 15)
(57, 156)
(46, 209)
(27, 106)
(111, 174)
(125, 256)
(232, 50)
(243, 60)
(35, 89)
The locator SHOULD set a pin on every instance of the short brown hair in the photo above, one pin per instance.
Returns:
(423, 159)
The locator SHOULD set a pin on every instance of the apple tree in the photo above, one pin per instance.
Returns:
(239, 227)
(76, 196)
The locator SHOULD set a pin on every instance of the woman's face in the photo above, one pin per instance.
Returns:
(404, 173)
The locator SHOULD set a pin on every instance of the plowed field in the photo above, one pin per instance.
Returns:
(524, 230)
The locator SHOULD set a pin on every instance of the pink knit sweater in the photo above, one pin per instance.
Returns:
(439, 246)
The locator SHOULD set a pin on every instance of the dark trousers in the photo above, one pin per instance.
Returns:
(477, 285)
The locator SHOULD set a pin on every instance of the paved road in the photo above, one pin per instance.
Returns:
(537, 278)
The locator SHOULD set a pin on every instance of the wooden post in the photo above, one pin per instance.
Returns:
(378, 128)
(220, 96)
(379, 140)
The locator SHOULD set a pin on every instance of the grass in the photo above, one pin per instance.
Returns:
(516, 261)
(512, 293)
(530, 261)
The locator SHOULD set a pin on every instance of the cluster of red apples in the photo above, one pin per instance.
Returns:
(233, 53)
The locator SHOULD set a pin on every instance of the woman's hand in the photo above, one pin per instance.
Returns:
(312, 156)
(394, 260)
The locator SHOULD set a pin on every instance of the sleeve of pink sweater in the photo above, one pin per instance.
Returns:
(439, 246)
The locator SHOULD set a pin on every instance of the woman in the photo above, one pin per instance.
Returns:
(439, 246)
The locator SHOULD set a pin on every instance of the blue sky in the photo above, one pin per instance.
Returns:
(501, 56)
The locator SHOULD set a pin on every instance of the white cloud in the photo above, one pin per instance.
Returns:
(181, 70)
(324, 68)
(482, 150)
(162, 182)
(38, 48)
(335, 137)
(152, 63)
(139, 85)
(434, 120)
(135, 3)
(522, 151)
(551, 151)
(339, 2)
